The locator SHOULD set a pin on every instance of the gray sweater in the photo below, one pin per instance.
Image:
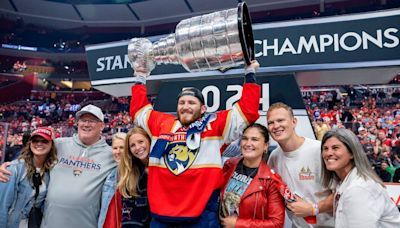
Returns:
(74, 194)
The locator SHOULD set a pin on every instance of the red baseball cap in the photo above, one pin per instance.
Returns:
(45, 132)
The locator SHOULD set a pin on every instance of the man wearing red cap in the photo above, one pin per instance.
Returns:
(185, 167)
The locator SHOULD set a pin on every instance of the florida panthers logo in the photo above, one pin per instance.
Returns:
(179, 158)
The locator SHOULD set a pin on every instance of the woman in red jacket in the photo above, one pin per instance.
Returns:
(249, 197)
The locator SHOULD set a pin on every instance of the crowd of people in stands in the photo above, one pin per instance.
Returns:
(19, 67)
(373, 116)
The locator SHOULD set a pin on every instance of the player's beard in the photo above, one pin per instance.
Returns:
(187, 119)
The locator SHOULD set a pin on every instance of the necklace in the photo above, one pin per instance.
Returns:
(245, 170)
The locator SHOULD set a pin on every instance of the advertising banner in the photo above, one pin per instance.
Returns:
(394, 192)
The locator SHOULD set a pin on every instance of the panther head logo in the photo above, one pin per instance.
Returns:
(179, 158)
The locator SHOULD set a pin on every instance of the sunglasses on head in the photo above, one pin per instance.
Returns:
(44, 141)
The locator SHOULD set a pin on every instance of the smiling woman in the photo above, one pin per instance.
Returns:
(249, 195)
(118, 145)
(358, 187)
(124, 198)
(28, 183)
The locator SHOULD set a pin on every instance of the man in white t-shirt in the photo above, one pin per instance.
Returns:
(298, 160)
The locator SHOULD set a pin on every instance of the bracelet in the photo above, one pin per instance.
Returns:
(316, 209)
(313, 209)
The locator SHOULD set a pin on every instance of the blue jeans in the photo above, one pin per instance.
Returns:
(208, 219)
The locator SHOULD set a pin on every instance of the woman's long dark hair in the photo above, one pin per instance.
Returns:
(27, 156)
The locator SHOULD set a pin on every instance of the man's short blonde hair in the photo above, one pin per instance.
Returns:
(280, 105)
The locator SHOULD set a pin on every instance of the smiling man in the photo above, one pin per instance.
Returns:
(84, 161)
(297, 159)
(185, 167)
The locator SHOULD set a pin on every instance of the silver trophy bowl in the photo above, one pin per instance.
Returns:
(212, 41)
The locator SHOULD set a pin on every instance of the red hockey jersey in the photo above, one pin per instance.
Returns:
(181, 181)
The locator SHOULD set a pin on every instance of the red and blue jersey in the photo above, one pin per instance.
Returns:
(181, 180)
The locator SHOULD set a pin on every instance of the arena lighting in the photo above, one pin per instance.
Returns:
(19, 47)
(68, 84)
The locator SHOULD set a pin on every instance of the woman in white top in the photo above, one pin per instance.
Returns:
(361, 199)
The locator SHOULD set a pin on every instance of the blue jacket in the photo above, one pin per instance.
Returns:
(17, 196)
(109, 187)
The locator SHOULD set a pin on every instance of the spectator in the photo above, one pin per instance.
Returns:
(242, 202)
(118, 145)
(347, 118)
(362, 133)
(368, 145)
(320, 128)
(30, 173)
(345, 164)
(387, 172)
(296, 160)
(385, 141)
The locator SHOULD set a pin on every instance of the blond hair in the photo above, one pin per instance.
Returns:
(278, 105)
(119, 135)
(129, 167)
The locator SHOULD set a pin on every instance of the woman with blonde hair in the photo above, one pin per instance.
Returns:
(361, 199)
(118, 145)
(22, 198)
(124, 202)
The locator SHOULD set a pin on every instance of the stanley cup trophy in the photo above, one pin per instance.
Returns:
(217, 40)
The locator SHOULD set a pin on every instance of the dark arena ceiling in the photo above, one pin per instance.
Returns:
(154, 17)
